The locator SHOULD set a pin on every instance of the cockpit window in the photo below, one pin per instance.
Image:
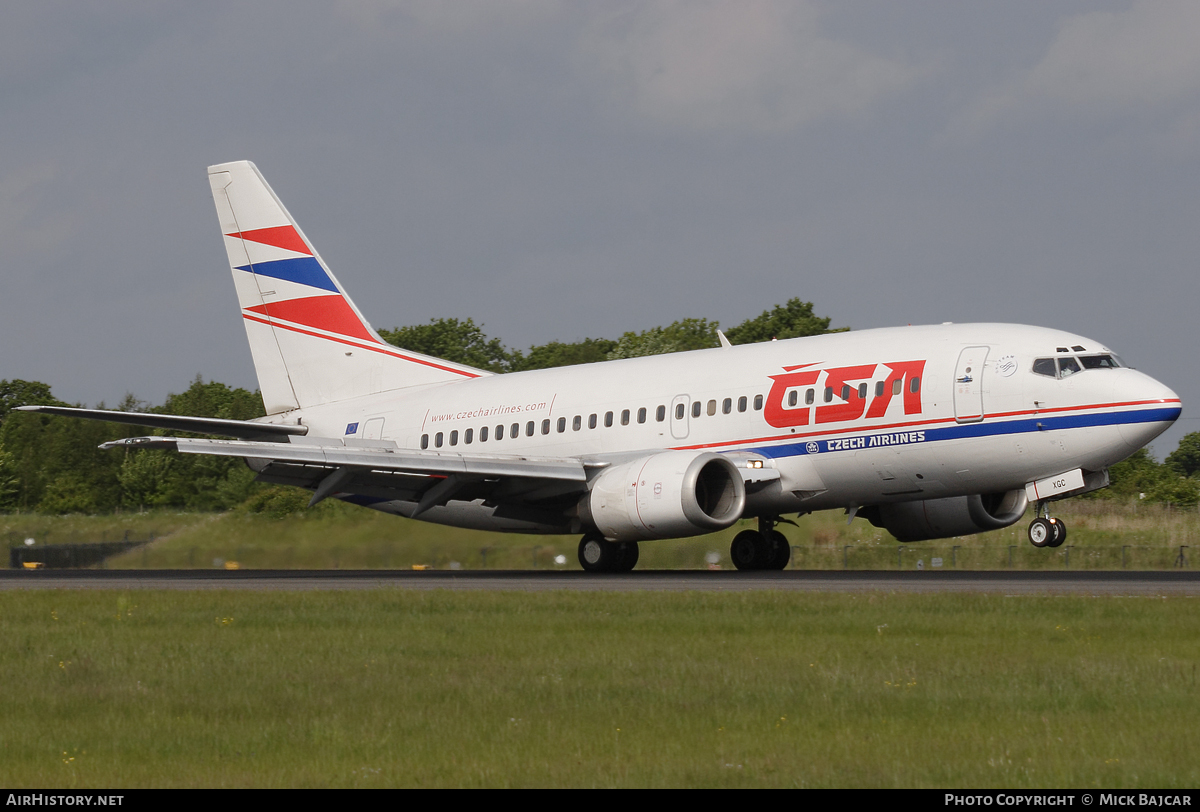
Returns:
(1045, 366)
(1064, 367)
(1068, 366)
(1099, 362)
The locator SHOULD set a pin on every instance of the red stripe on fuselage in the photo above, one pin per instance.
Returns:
(379, 348)
(285, 237)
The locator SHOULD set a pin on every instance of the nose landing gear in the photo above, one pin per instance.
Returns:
(762, 549)
(1047, 531)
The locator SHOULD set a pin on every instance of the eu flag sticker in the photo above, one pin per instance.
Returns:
(352, 428)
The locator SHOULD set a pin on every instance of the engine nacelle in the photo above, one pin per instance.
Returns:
(667, 495)
(952, 516)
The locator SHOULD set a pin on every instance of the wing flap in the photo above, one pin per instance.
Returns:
(378, 458)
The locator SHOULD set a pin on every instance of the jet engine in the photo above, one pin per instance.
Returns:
(666, 495)
(952, 516)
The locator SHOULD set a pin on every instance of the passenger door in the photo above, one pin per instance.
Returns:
(968, 385)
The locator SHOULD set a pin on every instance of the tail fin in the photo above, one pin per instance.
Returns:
(310, 344)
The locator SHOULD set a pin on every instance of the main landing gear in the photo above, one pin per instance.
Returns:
(1047, 531)
(596, 554)
(762, 549)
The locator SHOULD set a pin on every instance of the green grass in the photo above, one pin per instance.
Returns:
(1102, 535)
(394, 688)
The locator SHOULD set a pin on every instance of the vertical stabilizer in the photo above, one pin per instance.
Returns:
(310, 344)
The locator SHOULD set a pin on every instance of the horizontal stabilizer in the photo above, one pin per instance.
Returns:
(242, 429)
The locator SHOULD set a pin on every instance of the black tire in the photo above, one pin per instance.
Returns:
(1041, 533)
(598, 555)
(779, 549)
(627, 557)
(1060, 533)
(749, 550)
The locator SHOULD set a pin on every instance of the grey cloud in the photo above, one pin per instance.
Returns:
(757, 65)
(1104, 63)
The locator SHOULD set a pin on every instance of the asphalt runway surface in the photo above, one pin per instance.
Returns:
(1097, 583)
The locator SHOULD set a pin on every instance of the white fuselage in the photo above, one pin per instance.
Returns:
(948, 410)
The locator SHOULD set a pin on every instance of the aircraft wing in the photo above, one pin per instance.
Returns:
(244, 429)
(381, 470)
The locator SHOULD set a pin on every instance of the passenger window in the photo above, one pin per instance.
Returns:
(514, 431)
(437, 440)
(577, 423)
(642, 415)
(711, 408)
(809, 397)
(529, 428)
(845, 394)
(678, 411)
(696, 409)
(483, 434)
(742, 403)
(500, 432)
(624, 417)
(914, 385)
(793, 398)
(608, 417)
(468, 436)
(660, 414)
(592, 421)
(1067, 367)
(424, 441)
(828, 393)
(454, 437)
(879, 389)
(546, 426)
(727, 406)
(758, 403)
(562, 425)
(862, 391)
(897, 385)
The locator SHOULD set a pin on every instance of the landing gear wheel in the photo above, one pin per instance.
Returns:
(627, 556)
(1060, 533)
(1041, 533)
(780, 551)
(750, 551)
(596, 554)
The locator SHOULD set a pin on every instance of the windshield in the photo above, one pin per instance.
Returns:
(1064, 366)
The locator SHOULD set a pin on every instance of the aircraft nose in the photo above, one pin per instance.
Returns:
(1151, 405)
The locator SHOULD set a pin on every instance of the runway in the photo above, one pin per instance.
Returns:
(1097, 583)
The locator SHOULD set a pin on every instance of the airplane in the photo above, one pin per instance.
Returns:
(926, 431)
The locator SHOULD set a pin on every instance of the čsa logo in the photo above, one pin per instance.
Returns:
(842, 393)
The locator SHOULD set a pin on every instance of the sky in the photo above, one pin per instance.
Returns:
(561, 170)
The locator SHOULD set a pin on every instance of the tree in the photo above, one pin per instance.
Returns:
(558, 354)
(197, 482)
(791, 320)
(211, 399)
(1185, 459)
(679, 336)
(25, 393)
(8, 480)
(462, 342)
(1136, 474)
(143, 478)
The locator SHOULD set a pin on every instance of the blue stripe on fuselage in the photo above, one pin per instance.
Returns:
(958, 432)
